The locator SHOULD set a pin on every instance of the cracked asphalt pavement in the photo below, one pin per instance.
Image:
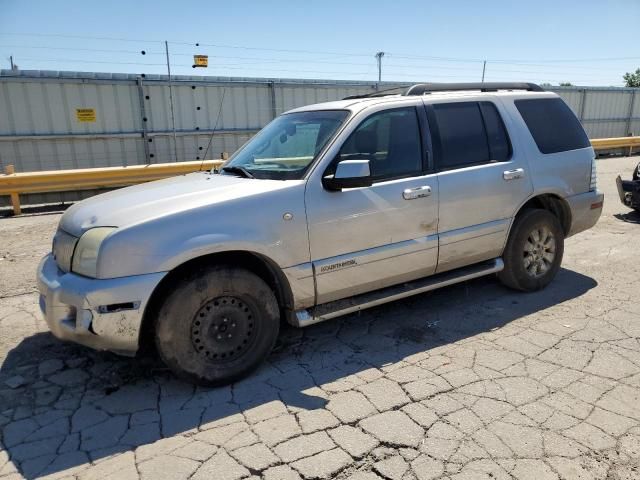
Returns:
(468, 382)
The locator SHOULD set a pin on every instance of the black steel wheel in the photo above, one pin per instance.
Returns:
(217, 325)
(223, 329)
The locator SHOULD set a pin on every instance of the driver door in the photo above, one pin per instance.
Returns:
(366, 238)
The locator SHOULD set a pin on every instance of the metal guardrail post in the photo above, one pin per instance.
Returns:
(15, 197)
(143, 120)
(632, 102)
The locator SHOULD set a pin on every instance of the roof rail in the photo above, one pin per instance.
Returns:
(378, 93)
(422, 88)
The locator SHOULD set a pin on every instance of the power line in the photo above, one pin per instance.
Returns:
(433, 73)
(320, 52)
(285, 60)
(81, 60)
(272, 61)
(103, 50)
(418, 66)
(83, 37)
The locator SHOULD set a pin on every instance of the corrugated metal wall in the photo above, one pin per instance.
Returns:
(39, 129)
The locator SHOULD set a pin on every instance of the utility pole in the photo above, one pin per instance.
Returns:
(484, 67)
(11, 60)
(173, 119)
(379, 56)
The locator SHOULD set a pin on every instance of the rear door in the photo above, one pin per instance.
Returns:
(482, 178)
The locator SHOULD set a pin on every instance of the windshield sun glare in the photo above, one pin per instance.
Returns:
(286, 147)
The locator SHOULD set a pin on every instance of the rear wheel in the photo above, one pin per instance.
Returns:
(534, 251)
(217, 325)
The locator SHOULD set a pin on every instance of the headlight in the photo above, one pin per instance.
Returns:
(85, 256)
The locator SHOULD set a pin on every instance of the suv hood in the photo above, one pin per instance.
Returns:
(144, 202)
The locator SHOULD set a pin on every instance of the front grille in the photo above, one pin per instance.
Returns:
(63, 246)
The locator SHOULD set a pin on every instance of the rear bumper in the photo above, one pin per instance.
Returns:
(586, 209)
(629, 192)
(101, 314)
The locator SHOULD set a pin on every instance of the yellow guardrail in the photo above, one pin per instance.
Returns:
(618, 142)
(14, 184)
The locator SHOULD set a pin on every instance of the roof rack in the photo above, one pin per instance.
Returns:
(379, 93)
(422, 88)
(425, 88)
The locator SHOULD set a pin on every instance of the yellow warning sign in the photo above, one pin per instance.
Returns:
(201, 60)
(86, 114)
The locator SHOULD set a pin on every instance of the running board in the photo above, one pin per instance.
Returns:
(337, 308)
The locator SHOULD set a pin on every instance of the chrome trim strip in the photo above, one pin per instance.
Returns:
(306, 317)
(375, 254)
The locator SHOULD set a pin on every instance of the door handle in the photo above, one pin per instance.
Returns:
(513, 174)
(418, 192)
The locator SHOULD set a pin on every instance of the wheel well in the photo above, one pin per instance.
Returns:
(553, 204)
(263, 267)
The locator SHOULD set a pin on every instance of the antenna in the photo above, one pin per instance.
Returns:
(173, 118)
(215, 126)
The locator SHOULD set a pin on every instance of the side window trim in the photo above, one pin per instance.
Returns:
(426, 141)
(504, 129)
(436, 140)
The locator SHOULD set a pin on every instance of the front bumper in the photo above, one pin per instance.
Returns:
(586, 209)
(101, 314)
(629, 192)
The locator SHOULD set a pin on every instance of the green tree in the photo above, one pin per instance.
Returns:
(566, 84)
(632, 79)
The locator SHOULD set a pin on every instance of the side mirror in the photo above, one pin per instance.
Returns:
(349, 174)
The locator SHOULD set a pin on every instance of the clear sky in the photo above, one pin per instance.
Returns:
(585, 42)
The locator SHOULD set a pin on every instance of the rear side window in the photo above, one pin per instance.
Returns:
(469, 133)
(552, 124)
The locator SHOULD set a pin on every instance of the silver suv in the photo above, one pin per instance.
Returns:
(330, 209)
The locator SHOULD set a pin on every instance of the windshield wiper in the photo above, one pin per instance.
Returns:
(241, 170)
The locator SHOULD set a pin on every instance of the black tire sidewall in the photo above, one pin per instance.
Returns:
(173, 324)
(514, 274)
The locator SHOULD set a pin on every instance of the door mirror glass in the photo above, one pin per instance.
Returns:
(349, 174)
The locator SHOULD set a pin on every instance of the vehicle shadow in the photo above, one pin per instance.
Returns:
(76, 405)
(629, 217)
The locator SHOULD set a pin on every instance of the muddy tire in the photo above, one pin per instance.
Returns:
(534, 251)
(217, 325)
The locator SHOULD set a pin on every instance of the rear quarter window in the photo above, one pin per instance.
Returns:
(552, 124)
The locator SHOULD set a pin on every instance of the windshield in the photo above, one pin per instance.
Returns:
(284, 149)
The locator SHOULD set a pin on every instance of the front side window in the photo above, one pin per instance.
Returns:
(390, 140)
(287, 146)
(469, 133)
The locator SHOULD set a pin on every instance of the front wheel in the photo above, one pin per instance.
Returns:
(534, 251)
(217, 325)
